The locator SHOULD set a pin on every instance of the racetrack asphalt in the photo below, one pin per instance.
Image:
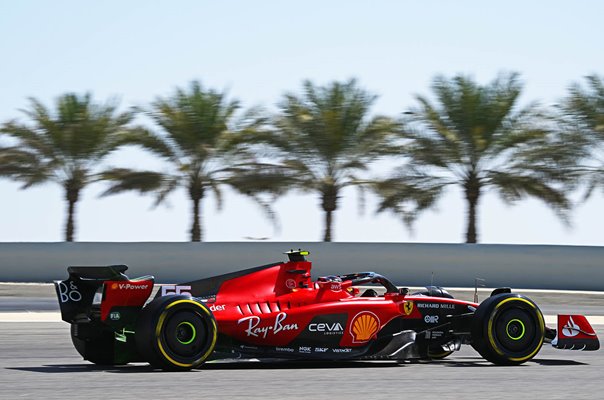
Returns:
(37, 360)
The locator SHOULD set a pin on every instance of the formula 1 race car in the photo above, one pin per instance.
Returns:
(277, 311)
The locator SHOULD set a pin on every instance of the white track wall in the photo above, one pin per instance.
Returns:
(545, 267)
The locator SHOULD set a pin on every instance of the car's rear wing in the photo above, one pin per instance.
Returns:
(93, 291)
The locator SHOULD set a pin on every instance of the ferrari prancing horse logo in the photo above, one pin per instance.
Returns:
(408, 307)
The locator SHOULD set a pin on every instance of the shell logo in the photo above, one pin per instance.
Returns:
(364, 326)
(114, 286)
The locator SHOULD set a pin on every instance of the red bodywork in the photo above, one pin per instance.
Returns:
(575, 332)
(125, 294)
(273, 306)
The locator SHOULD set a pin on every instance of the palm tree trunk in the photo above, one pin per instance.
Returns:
(471, 235)
(328, 223)
(70, 228)
(196, 194)
(329, 203)
(71, 195)
(196, 228)
(472, 191)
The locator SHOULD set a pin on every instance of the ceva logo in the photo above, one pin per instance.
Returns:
(326, 327)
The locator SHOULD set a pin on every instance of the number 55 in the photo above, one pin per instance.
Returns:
(175, 289)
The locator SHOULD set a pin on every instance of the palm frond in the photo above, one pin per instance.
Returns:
(408, 194)
(259, 178)
(582, 118)
(73, 138)
(261, 183)
(23, 166)
(194, 119)
(148, 140)
(28, 139)
(215, 187)
(513, 187)
(594, 178)
(123, 179)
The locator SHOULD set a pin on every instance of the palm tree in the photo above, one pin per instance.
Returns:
(203, 147)
(65, 146)
(479, 138)
(325, 137)
(583, 117)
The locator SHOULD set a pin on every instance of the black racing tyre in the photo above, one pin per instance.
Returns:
(98, 350)
(508, 329)
(176, 333)
(437, 353)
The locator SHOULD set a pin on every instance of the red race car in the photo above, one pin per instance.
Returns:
(277, 311)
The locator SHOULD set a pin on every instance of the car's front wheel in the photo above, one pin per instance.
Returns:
(508, 329)
(437, 353)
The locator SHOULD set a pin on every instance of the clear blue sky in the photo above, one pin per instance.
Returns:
(257, 50)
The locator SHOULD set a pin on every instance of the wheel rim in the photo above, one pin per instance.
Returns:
(185, 333)
(516, 331)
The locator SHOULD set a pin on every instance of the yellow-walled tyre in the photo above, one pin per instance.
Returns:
(437, 353)
(508, 329)
(176, 333)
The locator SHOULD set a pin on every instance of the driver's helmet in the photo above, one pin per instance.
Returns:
(330, 278)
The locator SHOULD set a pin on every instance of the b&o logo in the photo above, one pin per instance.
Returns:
(69, 293)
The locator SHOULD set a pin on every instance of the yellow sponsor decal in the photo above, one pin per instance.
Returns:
(364, 326)
(408, 307)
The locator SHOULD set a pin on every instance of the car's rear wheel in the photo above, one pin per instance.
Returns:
(176, 333)
(508, 329)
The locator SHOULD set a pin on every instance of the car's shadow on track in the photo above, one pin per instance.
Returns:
(299, 365)
(479, 362)
(75, 368)
(550, 362)
(233, 365)
(464, 362)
